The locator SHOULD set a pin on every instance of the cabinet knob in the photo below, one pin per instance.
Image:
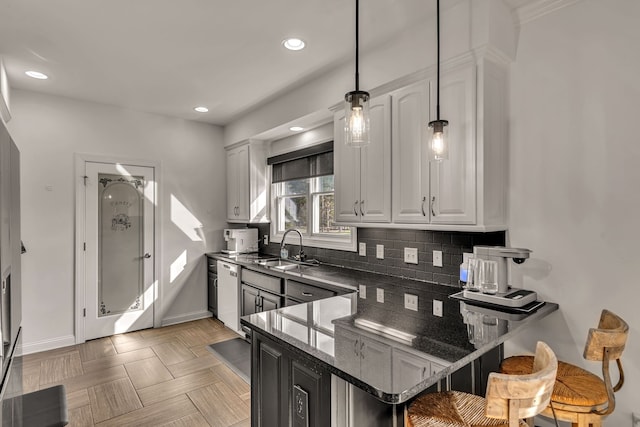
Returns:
(433, 200)
(307, 294)
(362, 350)
(355, 205)
(355, 348)
(424, 199)
(361, 204)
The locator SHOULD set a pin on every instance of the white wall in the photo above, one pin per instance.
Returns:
(48, 131)
(574, 160)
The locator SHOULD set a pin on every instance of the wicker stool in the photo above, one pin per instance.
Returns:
(580, 397)
(509, 399)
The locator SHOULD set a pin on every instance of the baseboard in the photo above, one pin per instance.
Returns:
(196, 315)
(49, 344)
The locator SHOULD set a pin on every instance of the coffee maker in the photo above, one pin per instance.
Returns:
(506, 295)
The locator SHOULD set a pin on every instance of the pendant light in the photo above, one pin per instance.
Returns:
(438, 143)
(356, 123)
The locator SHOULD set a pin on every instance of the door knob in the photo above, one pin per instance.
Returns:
(147, 255)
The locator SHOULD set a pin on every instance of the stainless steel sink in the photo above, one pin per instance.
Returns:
(283, 264)
(278, 264)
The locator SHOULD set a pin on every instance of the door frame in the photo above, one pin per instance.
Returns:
(80, 268)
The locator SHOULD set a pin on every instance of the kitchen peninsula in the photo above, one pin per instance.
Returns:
(357, 358)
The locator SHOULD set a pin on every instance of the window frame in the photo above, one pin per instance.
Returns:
(310, 238)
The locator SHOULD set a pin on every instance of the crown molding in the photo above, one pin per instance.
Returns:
(539, 8)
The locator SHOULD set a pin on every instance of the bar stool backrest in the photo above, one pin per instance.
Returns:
(604, 344)
(514, 397)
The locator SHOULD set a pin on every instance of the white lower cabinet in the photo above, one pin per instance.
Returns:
(363, 357)
(409, 368)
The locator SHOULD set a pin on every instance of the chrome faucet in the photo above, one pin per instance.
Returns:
(301, 255)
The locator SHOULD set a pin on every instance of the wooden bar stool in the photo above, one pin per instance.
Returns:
(510, 398)
(580, 397)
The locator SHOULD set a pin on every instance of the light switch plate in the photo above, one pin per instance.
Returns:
(362, 249)
(380, 251)
(411, 255)
(265, 239)
(411, 302)
(466, 256)
(437, 258)
(380, 295)
(437, 308)
(362, 291)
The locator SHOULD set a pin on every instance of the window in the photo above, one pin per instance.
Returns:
(303, 198)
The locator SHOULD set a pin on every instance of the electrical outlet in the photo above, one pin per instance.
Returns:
(380, 251)
(265, 239)
(363, 291)
(380, 295)
(437, 258)
(411, 255)
(362, 249)
(437, 308)
(411, 302)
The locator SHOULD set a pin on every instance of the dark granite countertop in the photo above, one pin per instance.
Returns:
(327, 330)
(360, 340)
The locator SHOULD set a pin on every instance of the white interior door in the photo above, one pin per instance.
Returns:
(119, 255)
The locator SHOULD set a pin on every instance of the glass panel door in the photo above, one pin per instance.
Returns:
(120, 244)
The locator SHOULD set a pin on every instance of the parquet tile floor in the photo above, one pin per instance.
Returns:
(155, 377)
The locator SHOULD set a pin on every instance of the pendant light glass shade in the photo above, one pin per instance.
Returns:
(438, 140)
(356, 106)
(356, 123)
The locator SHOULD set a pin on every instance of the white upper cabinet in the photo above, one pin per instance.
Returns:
(453, 193)
(247, 183)
(409, 117)
(363, 175)
(466, 192)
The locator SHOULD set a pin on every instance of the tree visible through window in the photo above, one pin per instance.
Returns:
(308, 205)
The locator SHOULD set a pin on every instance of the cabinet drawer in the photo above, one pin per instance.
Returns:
(303, 292)
(263, 281)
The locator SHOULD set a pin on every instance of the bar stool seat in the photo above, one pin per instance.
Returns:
(574, 385)
(452, 409)
(509, 399)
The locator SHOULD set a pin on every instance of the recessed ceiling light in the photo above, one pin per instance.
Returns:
(293, 44)
(36, 75)
(296, 128)
(201, 109)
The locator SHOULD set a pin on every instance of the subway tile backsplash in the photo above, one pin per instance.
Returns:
(452, 245)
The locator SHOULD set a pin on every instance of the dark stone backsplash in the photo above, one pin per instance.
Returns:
(452, 245)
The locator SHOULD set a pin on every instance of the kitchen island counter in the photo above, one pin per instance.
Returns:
(385, 349)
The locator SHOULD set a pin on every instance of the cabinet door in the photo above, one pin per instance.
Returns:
(269, 301)
(408, 369)
(346, 162)
(373, 355)
(242, 163)
(409, 117)
(5, 200)
(249, 300)
(269, 382)
(311, 397)
(347, 350)
(232, 184)
(375, 165)
(453, 181)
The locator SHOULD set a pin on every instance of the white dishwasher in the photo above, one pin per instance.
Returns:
(228, 301)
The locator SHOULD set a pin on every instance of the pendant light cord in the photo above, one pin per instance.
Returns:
(438, 56)
(357, 32)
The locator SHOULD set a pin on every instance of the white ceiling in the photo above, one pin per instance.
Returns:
(168, 56)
